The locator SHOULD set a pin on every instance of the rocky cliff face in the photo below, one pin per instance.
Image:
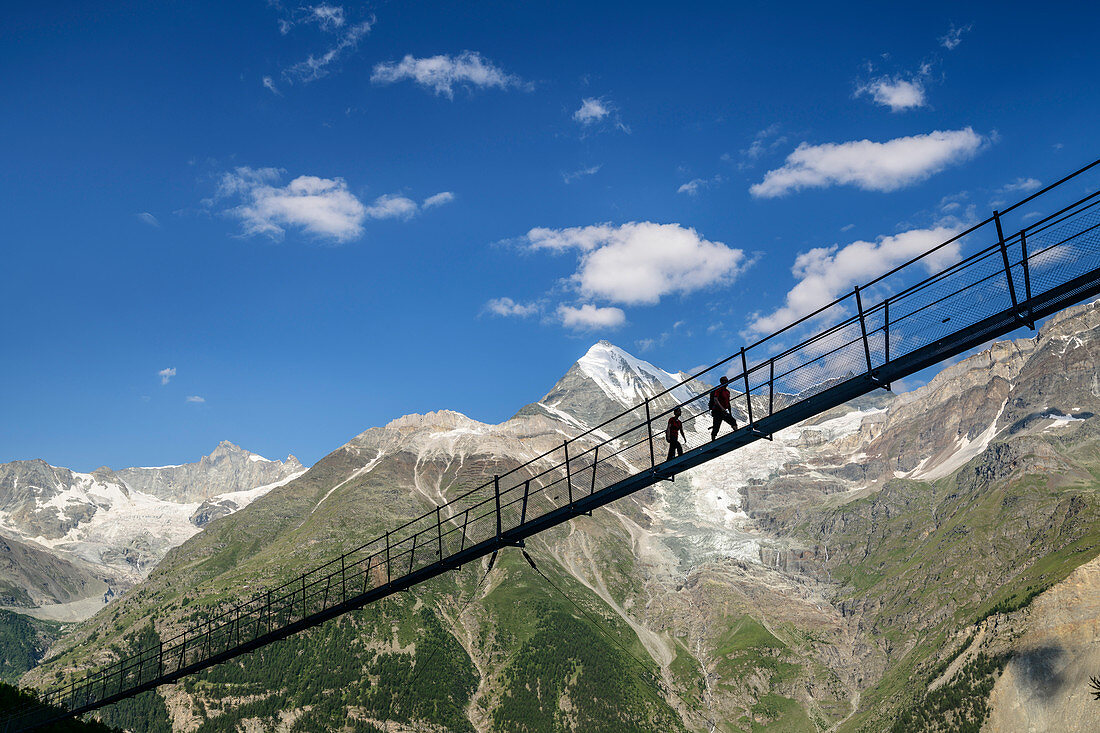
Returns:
(880, 565)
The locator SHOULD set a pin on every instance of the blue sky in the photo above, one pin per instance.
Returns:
(324, 216)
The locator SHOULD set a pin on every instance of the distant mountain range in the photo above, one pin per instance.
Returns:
(926, 561)
(70, 541)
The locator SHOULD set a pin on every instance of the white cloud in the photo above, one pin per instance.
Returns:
(148, 218)
(692, 187)
(269, 84)
(595, 110)
(825, 273)
(329, 17)
(441, 73)
(592, 109)
(1021, 185)
(589, 317)
(640, 262)
(872, 166)
(195, 398)
(581, 173)
(392, 206)
(764, 141)
(166, 374)
(320, 206)
(894, 92)
(443, 197)
(316, 67)
(509, 307)
(953, 38)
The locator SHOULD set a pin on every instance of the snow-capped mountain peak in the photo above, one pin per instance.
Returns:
(625, 378)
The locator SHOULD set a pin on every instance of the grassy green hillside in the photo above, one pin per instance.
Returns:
(23, 641)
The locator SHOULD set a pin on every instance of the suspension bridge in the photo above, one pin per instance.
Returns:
(979, 285)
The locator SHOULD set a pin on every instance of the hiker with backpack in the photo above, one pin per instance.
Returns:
(673, 433)
(720, 411)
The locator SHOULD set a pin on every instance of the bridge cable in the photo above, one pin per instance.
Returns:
(412, 678)
(652, 678)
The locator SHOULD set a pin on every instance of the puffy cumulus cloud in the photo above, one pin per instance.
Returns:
(894, 92)
(442, 73)
(320, 206)
(392, 206)
(872, 166)
(395, 206)
(825, 273)
(592, 110)
(639, 262)
(509, 307)
(323, 207)
(589, 317)
(166, 374)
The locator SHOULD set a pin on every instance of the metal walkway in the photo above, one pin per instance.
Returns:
(979, 285)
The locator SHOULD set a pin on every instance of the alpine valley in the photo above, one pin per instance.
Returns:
(925, 561)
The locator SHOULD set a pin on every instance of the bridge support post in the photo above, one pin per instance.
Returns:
(771, 386)
(523, 508)
(863, 330)
(595, 460)
(388, 576)
(748, 397)
(1008, 268)
(439, 531)
(496, 491)
(649, 434)
(1027, 277)
(568, 474)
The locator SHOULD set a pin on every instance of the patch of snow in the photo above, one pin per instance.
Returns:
(1061, 421)
(254, 458)
(355, 474)
(247, 496)
(965, 451)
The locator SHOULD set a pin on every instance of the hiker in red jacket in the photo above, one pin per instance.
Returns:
(673, 432)
(720, 408)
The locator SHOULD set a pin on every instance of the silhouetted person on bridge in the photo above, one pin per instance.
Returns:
(673, 433)
(720, 408)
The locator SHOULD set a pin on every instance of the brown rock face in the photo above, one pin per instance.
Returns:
(1045, 685)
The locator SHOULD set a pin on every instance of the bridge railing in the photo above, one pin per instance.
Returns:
(973, 275)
